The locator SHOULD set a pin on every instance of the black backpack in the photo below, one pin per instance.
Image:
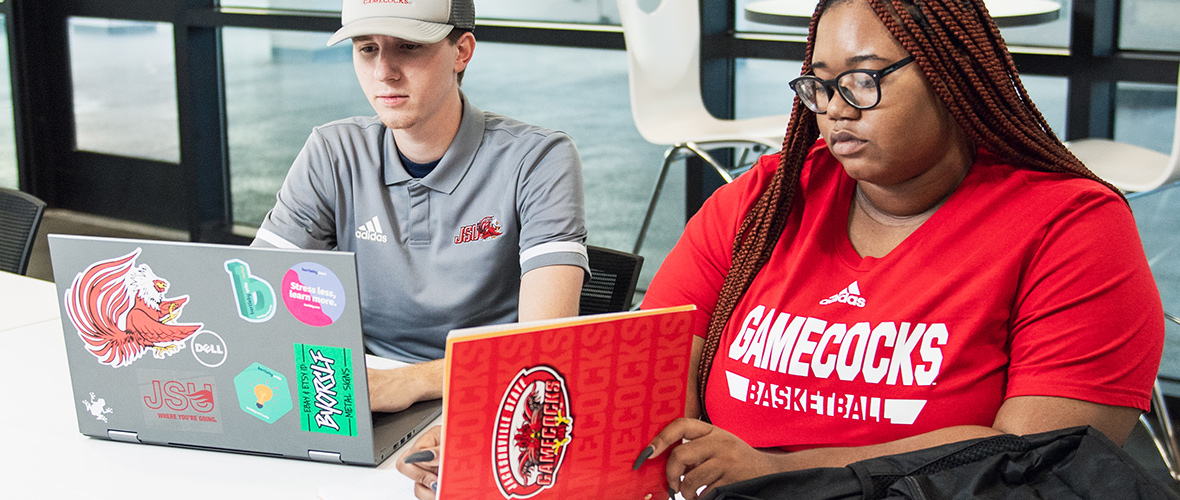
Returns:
(1066, 464)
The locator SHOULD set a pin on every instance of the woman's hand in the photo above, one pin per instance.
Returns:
(705, 456)
(423, 463)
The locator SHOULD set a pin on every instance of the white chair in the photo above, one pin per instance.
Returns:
(1131, 168)
(663, 52)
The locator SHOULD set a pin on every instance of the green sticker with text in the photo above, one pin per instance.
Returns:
(326, 400)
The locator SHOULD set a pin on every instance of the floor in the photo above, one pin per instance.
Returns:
(59, 221)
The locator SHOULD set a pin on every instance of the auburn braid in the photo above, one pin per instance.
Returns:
(961, 53)
(763, 224)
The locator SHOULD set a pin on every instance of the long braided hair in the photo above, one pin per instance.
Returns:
(959, 49)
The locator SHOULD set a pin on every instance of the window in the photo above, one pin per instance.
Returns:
(8, 176)
(326, 5)
(1146, 115)
(584, 93)
(761, 88)
(124, 79)
(1149, 25)
(279, 84)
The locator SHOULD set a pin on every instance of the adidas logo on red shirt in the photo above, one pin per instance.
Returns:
(849, 295)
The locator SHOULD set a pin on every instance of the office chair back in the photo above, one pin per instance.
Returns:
(613, 276)
(20, 215)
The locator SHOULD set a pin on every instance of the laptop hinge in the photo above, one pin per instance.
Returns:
(124, 436)
(324, 456)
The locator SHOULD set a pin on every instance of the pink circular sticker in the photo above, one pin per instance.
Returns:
(313, 294)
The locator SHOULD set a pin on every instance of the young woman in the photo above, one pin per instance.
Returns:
(924, 262)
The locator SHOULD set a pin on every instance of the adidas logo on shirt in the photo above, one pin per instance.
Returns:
(371, 231)
(849, 295)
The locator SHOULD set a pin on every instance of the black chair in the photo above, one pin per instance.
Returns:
(20, 215)
(613, 276)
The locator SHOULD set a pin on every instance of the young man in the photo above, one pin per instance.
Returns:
(458, 217)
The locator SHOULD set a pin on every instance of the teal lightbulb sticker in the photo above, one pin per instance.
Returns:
(263, 393)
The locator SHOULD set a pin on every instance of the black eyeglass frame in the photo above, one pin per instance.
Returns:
(833, 87)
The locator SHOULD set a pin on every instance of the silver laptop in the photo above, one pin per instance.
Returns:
(222, 347)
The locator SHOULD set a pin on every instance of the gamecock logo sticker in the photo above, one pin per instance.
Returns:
(533, 431)
(121, 311)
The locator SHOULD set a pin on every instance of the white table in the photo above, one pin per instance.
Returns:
(25, 301)
(1006, 13)
(46, 456)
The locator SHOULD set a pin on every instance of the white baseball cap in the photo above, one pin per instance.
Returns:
(418, 21)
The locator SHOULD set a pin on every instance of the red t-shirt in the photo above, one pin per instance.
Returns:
(1022, 283)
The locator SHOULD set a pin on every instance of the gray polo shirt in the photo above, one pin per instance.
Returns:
(444, 251)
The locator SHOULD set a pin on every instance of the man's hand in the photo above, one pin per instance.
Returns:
(397, 389)
(424, 456)
(706, 456)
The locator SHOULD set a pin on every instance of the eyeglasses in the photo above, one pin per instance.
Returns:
(860, 88)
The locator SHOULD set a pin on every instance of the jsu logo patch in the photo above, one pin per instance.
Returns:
(486, 229)
(533, 430)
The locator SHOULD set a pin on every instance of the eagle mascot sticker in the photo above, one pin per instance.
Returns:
(533, 431)
(121, 311)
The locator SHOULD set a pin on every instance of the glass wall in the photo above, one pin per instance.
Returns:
(325, 5)
(1146, 115)
(8, 176)
(124, 79)
(278, 85)
(584, 93)
(1149, 25)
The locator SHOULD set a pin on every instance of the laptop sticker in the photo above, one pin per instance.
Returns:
(98, 408)
(326, 400)
(209, 349)
(254, 295)
(533, 430)
(179, 400)
(263, 393)
(313, 294)
(121, 311)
